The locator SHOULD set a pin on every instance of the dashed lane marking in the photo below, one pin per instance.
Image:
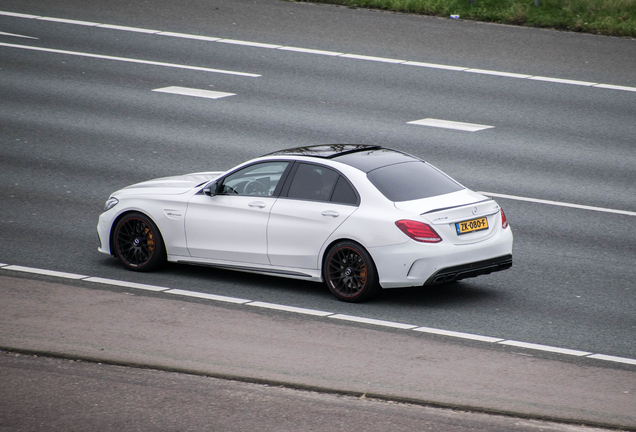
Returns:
(342, 317)
(17, 35)
(328, 53)
(194, 92)
(447, 124)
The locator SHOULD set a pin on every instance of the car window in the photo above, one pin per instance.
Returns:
(344, 193)
(258, 179)
(312, 182)
(412, 180)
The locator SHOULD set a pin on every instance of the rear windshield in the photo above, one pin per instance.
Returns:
(412, 180)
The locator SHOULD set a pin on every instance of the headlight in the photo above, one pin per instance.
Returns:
(110, 203)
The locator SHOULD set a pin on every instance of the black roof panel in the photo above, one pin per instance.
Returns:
(327, 151)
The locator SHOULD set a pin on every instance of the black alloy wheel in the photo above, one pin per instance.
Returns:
(137, 242)
(350, 273)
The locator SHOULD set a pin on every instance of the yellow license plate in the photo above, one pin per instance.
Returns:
(471, 225)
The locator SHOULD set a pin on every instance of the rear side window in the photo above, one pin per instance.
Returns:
(344, 193)
(319, 183)
(412, 180)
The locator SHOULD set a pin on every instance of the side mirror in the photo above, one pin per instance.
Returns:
(210, 189)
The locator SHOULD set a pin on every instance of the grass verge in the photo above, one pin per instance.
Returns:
(606, 17)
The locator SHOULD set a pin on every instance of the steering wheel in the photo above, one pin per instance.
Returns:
(255, 188)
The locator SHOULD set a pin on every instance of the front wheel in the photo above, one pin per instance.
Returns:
(137, 243)
(349, 272)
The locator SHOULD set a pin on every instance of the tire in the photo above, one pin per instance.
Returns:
(138, 243)
(350, 273)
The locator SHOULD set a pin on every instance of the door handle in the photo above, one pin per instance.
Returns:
(331, 213)
(259, 204)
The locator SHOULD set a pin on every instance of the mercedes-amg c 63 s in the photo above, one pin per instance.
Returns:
(357, 217)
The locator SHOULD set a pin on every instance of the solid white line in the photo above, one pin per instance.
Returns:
(68, 21)
(129, 60)
(435, 66)
(613, 358)
(561, 204)
(310, 51)
(372, 321)
(45, 272)
(562, 81)
(497, 73)
(126, 284)
(189, 36)
(17, 35)
(545, 348)
(446, 124)
(371, 58)
(457, 334)
(615, 87)
(290, 309)
(130, 29)
(247, 43)
(207, 296)
(19, 15)
(194, 92)
(3, 265)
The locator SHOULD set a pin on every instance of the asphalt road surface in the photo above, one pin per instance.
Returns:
(79, 119)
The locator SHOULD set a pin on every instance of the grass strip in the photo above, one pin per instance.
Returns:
(604, 17)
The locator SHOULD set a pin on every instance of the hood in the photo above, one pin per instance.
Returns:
(173, 185)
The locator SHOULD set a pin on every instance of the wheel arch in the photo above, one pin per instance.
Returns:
(334, 242)
(111, 237)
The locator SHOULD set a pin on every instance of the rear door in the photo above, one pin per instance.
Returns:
(312, 206)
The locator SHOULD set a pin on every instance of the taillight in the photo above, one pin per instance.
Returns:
(504, 221)
(418, 231)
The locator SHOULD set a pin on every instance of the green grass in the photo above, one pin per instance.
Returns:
(606, 17)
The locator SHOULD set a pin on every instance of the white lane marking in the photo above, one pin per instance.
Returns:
(615, 87)
(194, 92)
(129, 60)
(45, 272)
(372, 321)
(497, 73)
(371, 58)
(446, 124)
(562, 81)
(613, 358)
(247, 43)
(17, 35)
(130, 29)
(19, 15)
(435, 66)
(290, 309)
(458, 334)
(353, 56)
(189, 36)
(558, 203)
(68, 21)
(126, 284)
(220, 298)
(545, 348)
(207, 296)
(310, 51)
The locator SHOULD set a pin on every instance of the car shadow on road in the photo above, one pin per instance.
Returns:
(454, 295)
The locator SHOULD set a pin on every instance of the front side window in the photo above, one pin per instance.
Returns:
(412, 180)
(257, 180)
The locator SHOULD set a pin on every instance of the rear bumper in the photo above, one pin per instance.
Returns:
(455, 273)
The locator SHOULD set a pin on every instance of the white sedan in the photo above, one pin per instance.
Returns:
(357, 217)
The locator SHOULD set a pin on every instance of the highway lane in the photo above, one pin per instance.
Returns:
(76, 128)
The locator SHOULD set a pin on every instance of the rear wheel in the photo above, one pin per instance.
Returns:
(349, 272)
(137, 243)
